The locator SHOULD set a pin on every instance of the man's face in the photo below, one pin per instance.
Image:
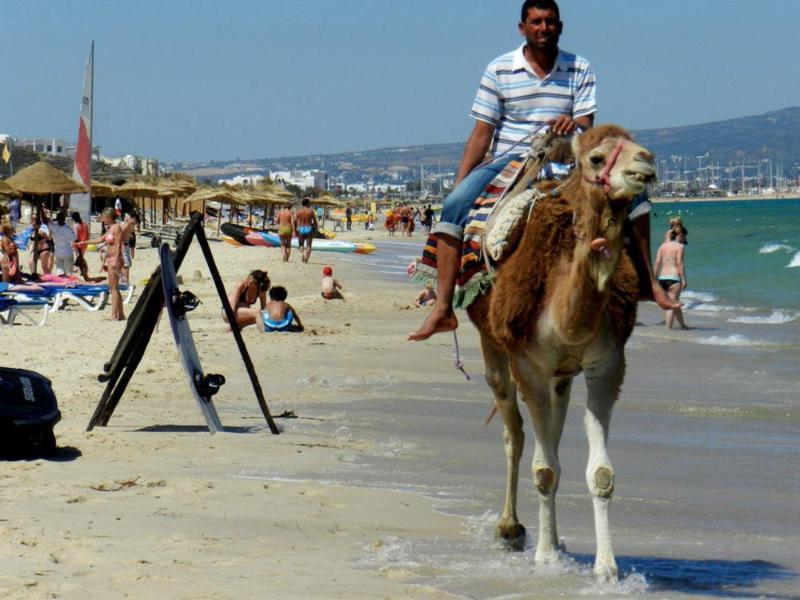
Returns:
(541, 29)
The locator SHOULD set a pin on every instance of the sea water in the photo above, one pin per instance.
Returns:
(678, 533)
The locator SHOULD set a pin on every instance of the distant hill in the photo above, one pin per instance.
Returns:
(773, 135)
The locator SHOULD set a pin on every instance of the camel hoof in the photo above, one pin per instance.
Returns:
(513, 537)
(606, 573)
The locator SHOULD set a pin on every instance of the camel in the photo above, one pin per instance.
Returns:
(564, 302)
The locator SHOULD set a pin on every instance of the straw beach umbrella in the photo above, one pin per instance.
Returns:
(138, 189)
(102, 190)
(326, 201)
(6, 190)
(42, 180)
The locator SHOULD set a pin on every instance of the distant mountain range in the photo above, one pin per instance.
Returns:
(773, 135)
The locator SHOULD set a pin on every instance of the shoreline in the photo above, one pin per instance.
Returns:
(738, 198)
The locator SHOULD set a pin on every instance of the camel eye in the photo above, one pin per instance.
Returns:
(596, 160)
(611, 222)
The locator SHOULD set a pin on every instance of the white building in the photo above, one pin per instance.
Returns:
(52, 146)
(242, 180)
(302, 179)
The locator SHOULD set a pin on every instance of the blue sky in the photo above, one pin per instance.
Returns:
(203, 80)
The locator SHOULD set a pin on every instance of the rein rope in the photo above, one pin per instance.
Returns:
(458, 364)
(602, 178)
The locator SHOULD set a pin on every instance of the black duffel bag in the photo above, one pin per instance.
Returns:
(28, 413)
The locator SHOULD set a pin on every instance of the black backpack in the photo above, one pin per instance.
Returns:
(28, 413)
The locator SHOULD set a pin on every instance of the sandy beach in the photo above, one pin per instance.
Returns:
(387, 484)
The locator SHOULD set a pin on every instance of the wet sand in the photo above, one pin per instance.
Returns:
(387, 484)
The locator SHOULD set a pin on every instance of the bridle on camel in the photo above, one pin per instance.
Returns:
(602, 178)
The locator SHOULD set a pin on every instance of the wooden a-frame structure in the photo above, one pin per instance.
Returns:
(118, 371)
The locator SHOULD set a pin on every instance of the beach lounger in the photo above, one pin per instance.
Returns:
(89, 297)
(21, 305)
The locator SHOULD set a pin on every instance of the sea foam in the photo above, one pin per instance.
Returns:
(795, 262)
(770, 248)
(778, 317)
(731, 340)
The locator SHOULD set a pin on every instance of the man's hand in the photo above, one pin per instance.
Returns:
(563, 125)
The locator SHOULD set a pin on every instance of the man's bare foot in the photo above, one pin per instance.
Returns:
(435, 323)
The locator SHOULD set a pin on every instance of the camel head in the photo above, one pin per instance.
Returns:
(607, 156)
(611, 169)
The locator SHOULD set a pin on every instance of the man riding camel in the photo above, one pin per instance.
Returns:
(523, 91)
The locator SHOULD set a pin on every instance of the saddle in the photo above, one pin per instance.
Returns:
(496, 220)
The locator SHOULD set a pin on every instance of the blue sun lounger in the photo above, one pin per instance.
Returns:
(21, 305)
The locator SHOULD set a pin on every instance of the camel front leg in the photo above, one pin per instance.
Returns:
(547, 412)
(509, 529)
(603, 380)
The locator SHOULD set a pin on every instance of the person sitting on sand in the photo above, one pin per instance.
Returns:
(279, 315)
(427, 297)
(249, 290)
(671, 272)
(329, 287)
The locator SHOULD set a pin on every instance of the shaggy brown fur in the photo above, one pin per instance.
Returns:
(509, 312)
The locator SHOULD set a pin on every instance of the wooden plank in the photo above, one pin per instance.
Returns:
(237, 334)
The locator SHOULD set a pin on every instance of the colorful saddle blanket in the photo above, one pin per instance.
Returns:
(474, 277)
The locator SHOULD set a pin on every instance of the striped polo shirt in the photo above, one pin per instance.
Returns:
(513, 98)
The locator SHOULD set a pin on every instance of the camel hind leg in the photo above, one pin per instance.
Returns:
(509, 530)
(603, 381)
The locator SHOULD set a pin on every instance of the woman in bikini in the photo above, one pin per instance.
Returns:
(112, 238)
(44, 245)
(250, 290)
(671, 272)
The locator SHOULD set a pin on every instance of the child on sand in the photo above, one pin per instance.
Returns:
(278, 314)
(329, 287)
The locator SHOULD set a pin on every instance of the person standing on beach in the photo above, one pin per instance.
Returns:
(13, 212)
(63, 240)
(671, 272)
(130, 223)
(348, 214)
(523, 91)
(305, 223)
(112, 238)
(285, 222)
(81, 230)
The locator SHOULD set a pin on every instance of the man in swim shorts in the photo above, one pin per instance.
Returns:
(284, 220)
(305, 223)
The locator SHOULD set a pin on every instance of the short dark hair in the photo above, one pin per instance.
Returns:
(305, 202)
(541, 5)
(76, 216)
(61, 217)
(278, 293)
